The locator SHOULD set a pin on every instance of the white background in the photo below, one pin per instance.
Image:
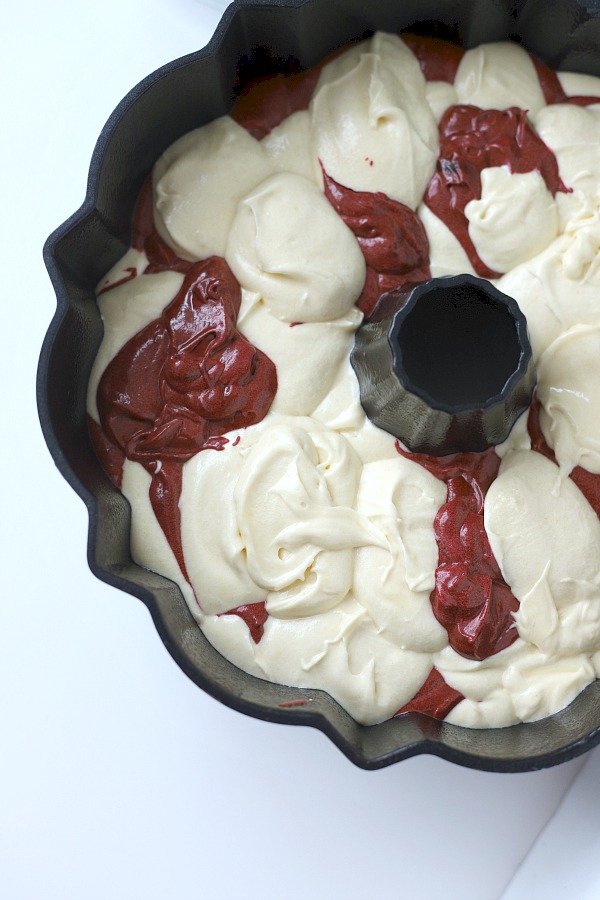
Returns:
(119, 778)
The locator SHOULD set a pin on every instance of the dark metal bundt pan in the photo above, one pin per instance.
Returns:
(252, 38)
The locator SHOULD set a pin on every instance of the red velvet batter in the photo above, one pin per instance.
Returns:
(552, 88)
(254, 615)
(438, 59)
(179, 384)
(265, 103)
(131, 274)
(111, 457)
(144, 236)
(390, 235)
(470, 599)
(587, 482)
(435, 698)
(473, 139)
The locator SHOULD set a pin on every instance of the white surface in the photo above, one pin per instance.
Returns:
(118, 777)
(564, 859)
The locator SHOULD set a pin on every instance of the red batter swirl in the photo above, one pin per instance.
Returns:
(145, 237)
(434, 698)
(473, 139)
(390, 235)
(181, 383)
(552, 88)
(470, 599)
(439, 60)
(254, 615)
(265, 103)
(187, 377)
(587, 482)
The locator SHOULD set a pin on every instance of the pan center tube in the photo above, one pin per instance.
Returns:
(445, 367)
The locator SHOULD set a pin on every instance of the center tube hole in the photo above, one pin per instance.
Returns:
(458, 346)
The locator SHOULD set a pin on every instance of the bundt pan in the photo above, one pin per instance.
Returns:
(254, 38)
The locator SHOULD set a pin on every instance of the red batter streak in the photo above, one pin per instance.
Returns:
(390, 235)
(265, 103)
(473, 139)
(470, 599)
(254, 615)
(161, 258)
(131, 274)
(435, 698)
(181, 383)
(587, 482)
(552, 88)
(438, 59)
